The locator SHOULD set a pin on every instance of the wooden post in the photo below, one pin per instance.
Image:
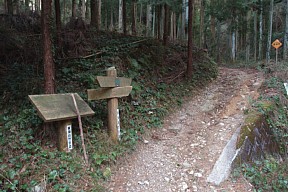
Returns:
(62, 135)
(112, 111)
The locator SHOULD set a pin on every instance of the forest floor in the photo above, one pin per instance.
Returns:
(181, 155)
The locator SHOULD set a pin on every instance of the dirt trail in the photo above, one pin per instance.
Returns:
(180, 156)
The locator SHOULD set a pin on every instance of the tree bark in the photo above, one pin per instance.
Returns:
(166, 25)
(260, 48)
(58, 21)
(9, 7)
(93, 7)
(183, 20)
(148, 20)
(99, 15)
(124, 17)
(120, 21)
(202, 7)
(159, 9)
(190, 39)
(255, 35)
(269, 31)
(74, 9)
(49, 70)
(285, 48)
(134, 15)
(83, 9)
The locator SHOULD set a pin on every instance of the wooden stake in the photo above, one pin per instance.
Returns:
(62, 135)
(81, 129)
(112, 111)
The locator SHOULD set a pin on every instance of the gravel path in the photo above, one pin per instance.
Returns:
(181, 155)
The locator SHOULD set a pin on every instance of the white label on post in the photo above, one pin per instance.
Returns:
(69, 136)
(118, 124)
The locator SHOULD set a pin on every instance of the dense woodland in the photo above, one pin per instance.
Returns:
(168, 48)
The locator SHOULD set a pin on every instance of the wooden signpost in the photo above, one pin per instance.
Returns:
(112, 88)
(276, 44)
(61, 108)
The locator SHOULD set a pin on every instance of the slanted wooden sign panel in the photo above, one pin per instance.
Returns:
(56, 107)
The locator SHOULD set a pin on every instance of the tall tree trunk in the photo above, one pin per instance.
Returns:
(255, 35)
(83, 9)
(99, 14)
(183, 20)
(64, 11)
(9, 7)
(202, 7)
(190, 40)
(159, 10)
(269, 37)
(166, 25)
(58, 21)
(27, 8)
(285, 49)
(260, 48)
(120, 20)
(154, 21)
(148, 20)
(49, 70)
(74, 9)
(134, 15)
(141, 14)
(233, 46)
(93, 12)
(124, 17)
(111, 19)
(247, 36)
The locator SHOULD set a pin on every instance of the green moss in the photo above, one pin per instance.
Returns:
(253, 119)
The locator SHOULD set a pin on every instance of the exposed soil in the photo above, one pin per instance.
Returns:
(181, 155)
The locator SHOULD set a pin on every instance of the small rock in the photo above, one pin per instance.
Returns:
(222, 124)
(186, 164)
(198, 175)
(191, 172)
(128, 184)
(195, 188)
(167, 179)
(184, 186)
(145, 141)
(146, 182)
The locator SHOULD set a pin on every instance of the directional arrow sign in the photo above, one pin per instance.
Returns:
(107, 93)
(106, 81)
(276, 44)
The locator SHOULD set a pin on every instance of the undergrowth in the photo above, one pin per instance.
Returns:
(29, 157)
(271, 173)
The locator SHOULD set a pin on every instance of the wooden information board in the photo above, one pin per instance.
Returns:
(57, 107)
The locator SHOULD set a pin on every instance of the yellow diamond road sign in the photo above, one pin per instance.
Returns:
(276, 44)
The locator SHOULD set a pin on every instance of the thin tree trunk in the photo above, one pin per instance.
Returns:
(247, 36)
(74, 9)
(49, 70)
(233, 46)
(9, 7)
(260, 48)
(58, 21)
(285, 49)
(148, 20)
(166, 25)
(141, 14)
(120, 20)
(111, 19)
(255, 35)
(124, 17)
(134, 15)
(159, 9)
(83, 9)
(269, 37)
(64, 11)
(154, 21)
(201, 43)
(183, 20)
(99, 14)
(93, 12)
(190, 40)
